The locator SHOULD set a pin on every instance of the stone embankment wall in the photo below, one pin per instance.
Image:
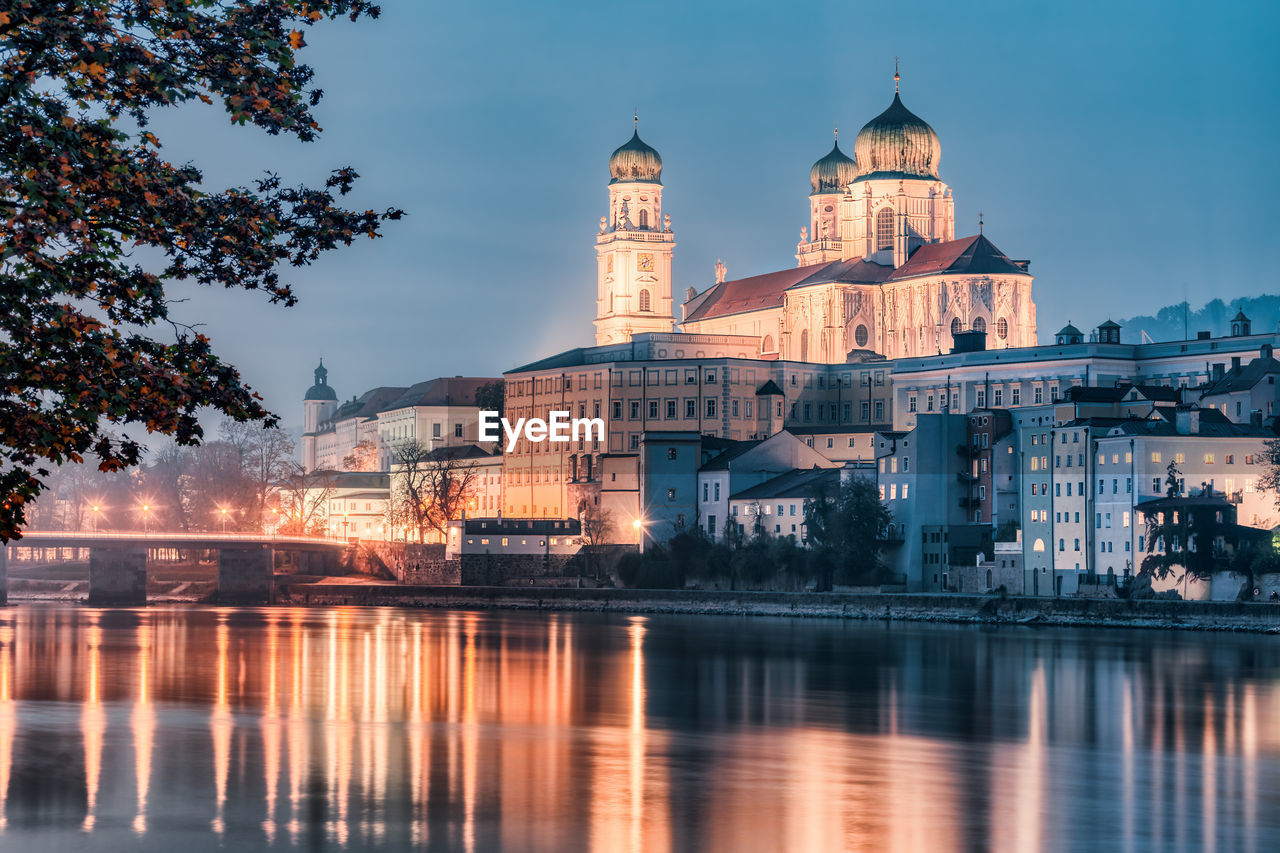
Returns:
(1201, 615)
(404, 562)
(495, 569)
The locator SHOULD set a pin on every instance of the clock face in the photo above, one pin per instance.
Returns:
(644, 262)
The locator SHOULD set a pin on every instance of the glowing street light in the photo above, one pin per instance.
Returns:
(96, 510)
(146, 508)
(224, 520)
(639, 524)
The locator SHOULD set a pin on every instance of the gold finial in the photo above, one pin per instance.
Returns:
(979, 221)
(636, 117)
(896, 76)
(837, 132)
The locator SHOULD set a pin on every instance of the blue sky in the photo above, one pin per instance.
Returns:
(1127, 149)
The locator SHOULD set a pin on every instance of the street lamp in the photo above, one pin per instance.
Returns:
(224, 521)
(146, 508)
(96, 509)
(638, 524)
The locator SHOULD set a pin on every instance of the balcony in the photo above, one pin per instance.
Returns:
(970, 503)
(966, 477)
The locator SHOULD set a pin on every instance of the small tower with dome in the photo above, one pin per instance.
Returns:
(318, 405)
(829, 180)
(634, 248)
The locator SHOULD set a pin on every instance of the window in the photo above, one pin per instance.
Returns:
(690, 408)
(956, 326)
(980, 325)
(982, 399)
(653, 409)
(884, 229)
(671, 494)
(1002, 328)
(644, 223)
(717, 491)
(997, 397)
(635, 410)
(1015, 395)
(711, 407)
(879, 411)
(672, 454)
(457, 430)
(911, 403)
(671, 409)
(1039, 395)
(644, 294)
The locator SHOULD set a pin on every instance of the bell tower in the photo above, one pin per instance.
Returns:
(634, 249)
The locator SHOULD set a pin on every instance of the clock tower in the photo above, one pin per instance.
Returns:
(633, 249)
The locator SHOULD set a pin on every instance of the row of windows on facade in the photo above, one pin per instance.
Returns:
(403, 431)
(980, 398)
(672, 376)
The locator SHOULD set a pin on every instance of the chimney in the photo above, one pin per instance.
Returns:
(1218, 370)
(1265, 351)
(1235, 363)
(1187, 422)
(1202, 336)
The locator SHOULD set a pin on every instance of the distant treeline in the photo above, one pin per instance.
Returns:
(1168, 323)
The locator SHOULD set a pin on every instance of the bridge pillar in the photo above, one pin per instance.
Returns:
(246, 575)
(117, 576)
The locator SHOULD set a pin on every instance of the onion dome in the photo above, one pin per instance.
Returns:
(897, 144)
(635, 162)
(321, 390)
(832, 173)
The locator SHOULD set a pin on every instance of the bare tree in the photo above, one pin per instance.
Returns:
(264, 456)
(597, 526)
(429, 488)
(363, 457)
(304, 496)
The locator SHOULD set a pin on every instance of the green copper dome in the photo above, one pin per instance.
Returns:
(321, 390)
(635, 161)
(832, 173)
(897, 144)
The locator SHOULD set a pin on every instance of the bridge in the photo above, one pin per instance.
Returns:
(118, 561)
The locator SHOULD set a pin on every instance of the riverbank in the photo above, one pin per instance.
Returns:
(1262, 617)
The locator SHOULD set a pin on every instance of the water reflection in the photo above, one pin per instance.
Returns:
(351, 729)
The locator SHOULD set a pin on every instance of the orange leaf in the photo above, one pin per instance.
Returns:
(295, 39)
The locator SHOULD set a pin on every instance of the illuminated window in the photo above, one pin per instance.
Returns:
(884, 229)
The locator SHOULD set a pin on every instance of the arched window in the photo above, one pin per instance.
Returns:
(860, 335)
(979, 324)
(767, 344)
(644, 300)
(884, 229)
(1002, 328)
(804, 345)
(644, 219)
(956, 326)
(1039, 546)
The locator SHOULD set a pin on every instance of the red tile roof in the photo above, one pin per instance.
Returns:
(969, 255)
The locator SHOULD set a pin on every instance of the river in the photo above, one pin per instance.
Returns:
(190, 728)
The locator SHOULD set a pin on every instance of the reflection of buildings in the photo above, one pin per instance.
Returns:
(475, 731)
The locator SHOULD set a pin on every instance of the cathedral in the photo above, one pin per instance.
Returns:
(879, 270)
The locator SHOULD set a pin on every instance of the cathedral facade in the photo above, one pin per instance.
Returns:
(879, 271)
